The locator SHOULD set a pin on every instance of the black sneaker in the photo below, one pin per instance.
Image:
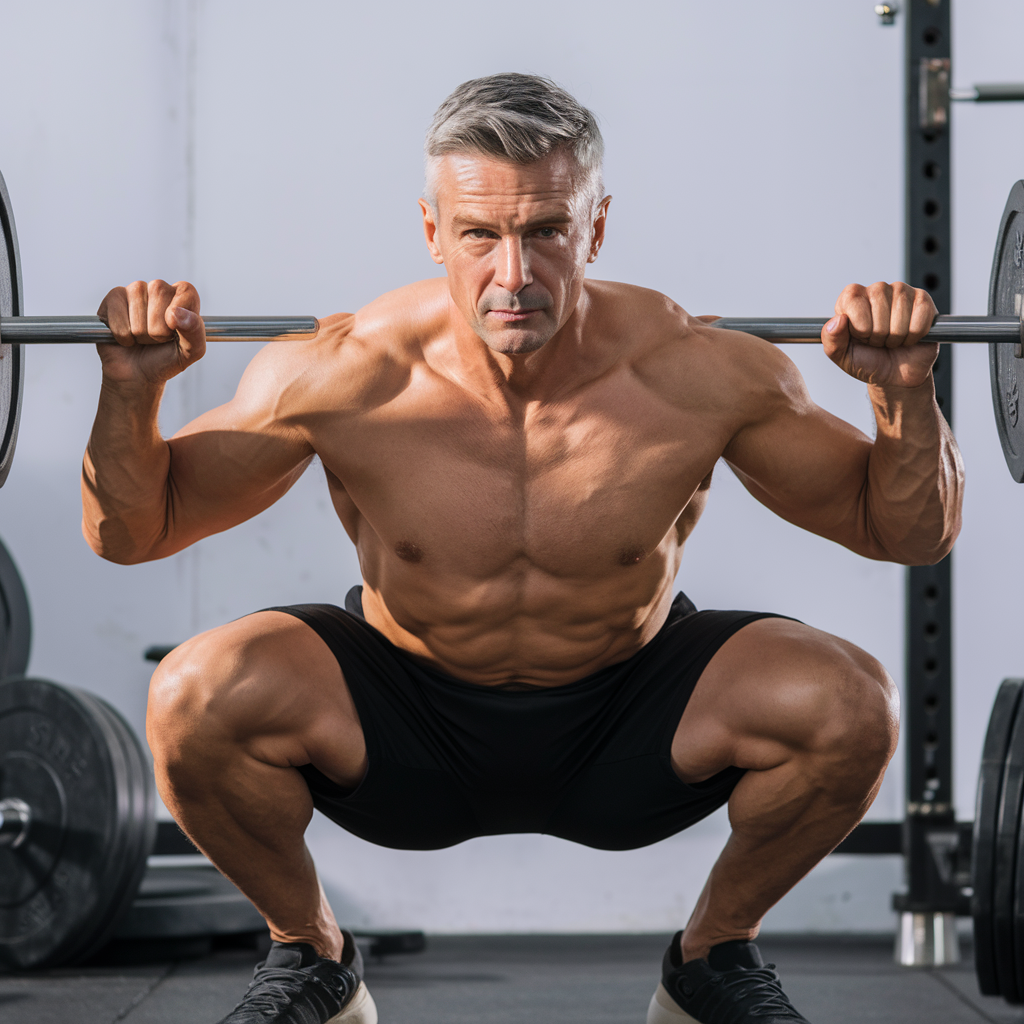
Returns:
(733, 986)
(295, 985)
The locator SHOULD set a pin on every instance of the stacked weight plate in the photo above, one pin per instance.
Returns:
(997, 861)
(70, 874)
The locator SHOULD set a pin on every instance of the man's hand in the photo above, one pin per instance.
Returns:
(876, 334)
(158, 330)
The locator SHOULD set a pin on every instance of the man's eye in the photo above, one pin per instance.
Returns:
(480, 233)
(547, 232)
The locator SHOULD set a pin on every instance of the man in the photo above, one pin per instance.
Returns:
(519, 455)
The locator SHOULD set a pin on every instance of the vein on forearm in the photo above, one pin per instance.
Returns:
(126, 486)
(913, 489)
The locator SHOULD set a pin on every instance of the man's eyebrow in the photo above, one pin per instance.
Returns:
(562, 216)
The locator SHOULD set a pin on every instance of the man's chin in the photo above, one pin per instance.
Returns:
(514, 342)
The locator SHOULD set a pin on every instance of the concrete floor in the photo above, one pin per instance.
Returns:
(514, 980)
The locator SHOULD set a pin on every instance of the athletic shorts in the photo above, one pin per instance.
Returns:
(588, 761)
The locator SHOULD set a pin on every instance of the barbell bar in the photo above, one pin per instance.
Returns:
(69, 330)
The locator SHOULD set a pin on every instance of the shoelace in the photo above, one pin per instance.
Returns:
(743, 984)
(273, 989)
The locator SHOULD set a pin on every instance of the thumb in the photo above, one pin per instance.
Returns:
(835, 336)
(191, 331)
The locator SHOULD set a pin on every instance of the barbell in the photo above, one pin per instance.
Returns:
(1002, 329)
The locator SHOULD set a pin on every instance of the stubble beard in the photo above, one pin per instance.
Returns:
(513, 339)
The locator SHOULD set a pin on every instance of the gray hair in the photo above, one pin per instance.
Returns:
(521, 118)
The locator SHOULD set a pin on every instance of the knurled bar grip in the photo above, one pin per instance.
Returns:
(945, 329)
(70, 330)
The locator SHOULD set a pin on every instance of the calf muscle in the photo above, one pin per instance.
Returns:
(814, 721)
(231, 714)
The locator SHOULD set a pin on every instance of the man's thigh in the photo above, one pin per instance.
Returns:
(777, 687)
(266, 683)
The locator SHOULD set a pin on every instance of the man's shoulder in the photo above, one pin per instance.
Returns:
(356, 359)
(680, 353)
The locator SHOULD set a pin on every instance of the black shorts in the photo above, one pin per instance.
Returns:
(588, 761)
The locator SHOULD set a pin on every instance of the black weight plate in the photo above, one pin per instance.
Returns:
(79, 767)
(12, 357)
(1005, 294)
(986, 819)
(138, 813)
(183, 902)
(1005, 873)
(15, 619)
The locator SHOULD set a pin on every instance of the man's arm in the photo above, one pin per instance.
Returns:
(144, 497)
(898, 498)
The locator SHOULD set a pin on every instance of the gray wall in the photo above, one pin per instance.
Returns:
(272, 155)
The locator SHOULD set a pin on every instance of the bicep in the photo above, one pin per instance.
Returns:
(806, 465)
(234, 461)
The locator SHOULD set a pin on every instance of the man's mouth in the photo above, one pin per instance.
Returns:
(511, 316)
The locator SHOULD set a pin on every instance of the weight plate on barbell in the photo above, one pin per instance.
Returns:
(986, 818)
(72, 869)
(1005, 294)
(12, 357)
(15, 619)
(1005, 872)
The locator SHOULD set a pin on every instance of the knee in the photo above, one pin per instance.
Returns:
(189, 701)
(860, 724)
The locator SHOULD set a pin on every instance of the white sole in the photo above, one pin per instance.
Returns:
(360, 1010)
(665, 1010)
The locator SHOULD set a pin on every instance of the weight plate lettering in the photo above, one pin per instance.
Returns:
(12, 357)
(1005, 294)
(986, 817)
(70, 866)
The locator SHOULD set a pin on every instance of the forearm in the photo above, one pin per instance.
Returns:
(915, 477)
(125, 474)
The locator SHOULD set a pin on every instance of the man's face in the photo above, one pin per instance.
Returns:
(516, 239)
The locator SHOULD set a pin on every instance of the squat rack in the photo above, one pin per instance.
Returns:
(935, 846)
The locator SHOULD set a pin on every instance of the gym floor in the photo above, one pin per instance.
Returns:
(592, 979)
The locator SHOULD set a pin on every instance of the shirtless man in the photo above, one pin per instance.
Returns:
(519, 455)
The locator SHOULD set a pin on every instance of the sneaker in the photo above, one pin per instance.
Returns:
(295, 985)
(733, 986)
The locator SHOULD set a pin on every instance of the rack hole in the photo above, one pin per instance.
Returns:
(931, 208)
(931, 702)
(931, 281)
(932, 170)
(931, 630)
(931, 244)
(931, 593)
(931, 35)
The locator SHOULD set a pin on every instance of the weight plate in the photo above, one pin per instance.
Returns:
(1005, 294)
(73, 868)
(15, 619)
(183, 902)
(12, 357)
(986, 820)
(1005, 874)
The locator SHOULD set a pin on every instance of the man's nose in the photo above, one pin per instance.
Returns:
(513, 270)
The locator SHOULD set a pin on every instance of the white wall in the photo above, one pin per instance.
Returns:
(272, 154)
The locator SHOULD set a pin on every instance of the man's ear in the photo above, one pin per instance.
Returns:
(430, 231)
(600, 222)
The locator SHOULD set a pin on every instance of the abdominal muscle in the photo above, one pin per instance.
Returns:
(523, 626)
